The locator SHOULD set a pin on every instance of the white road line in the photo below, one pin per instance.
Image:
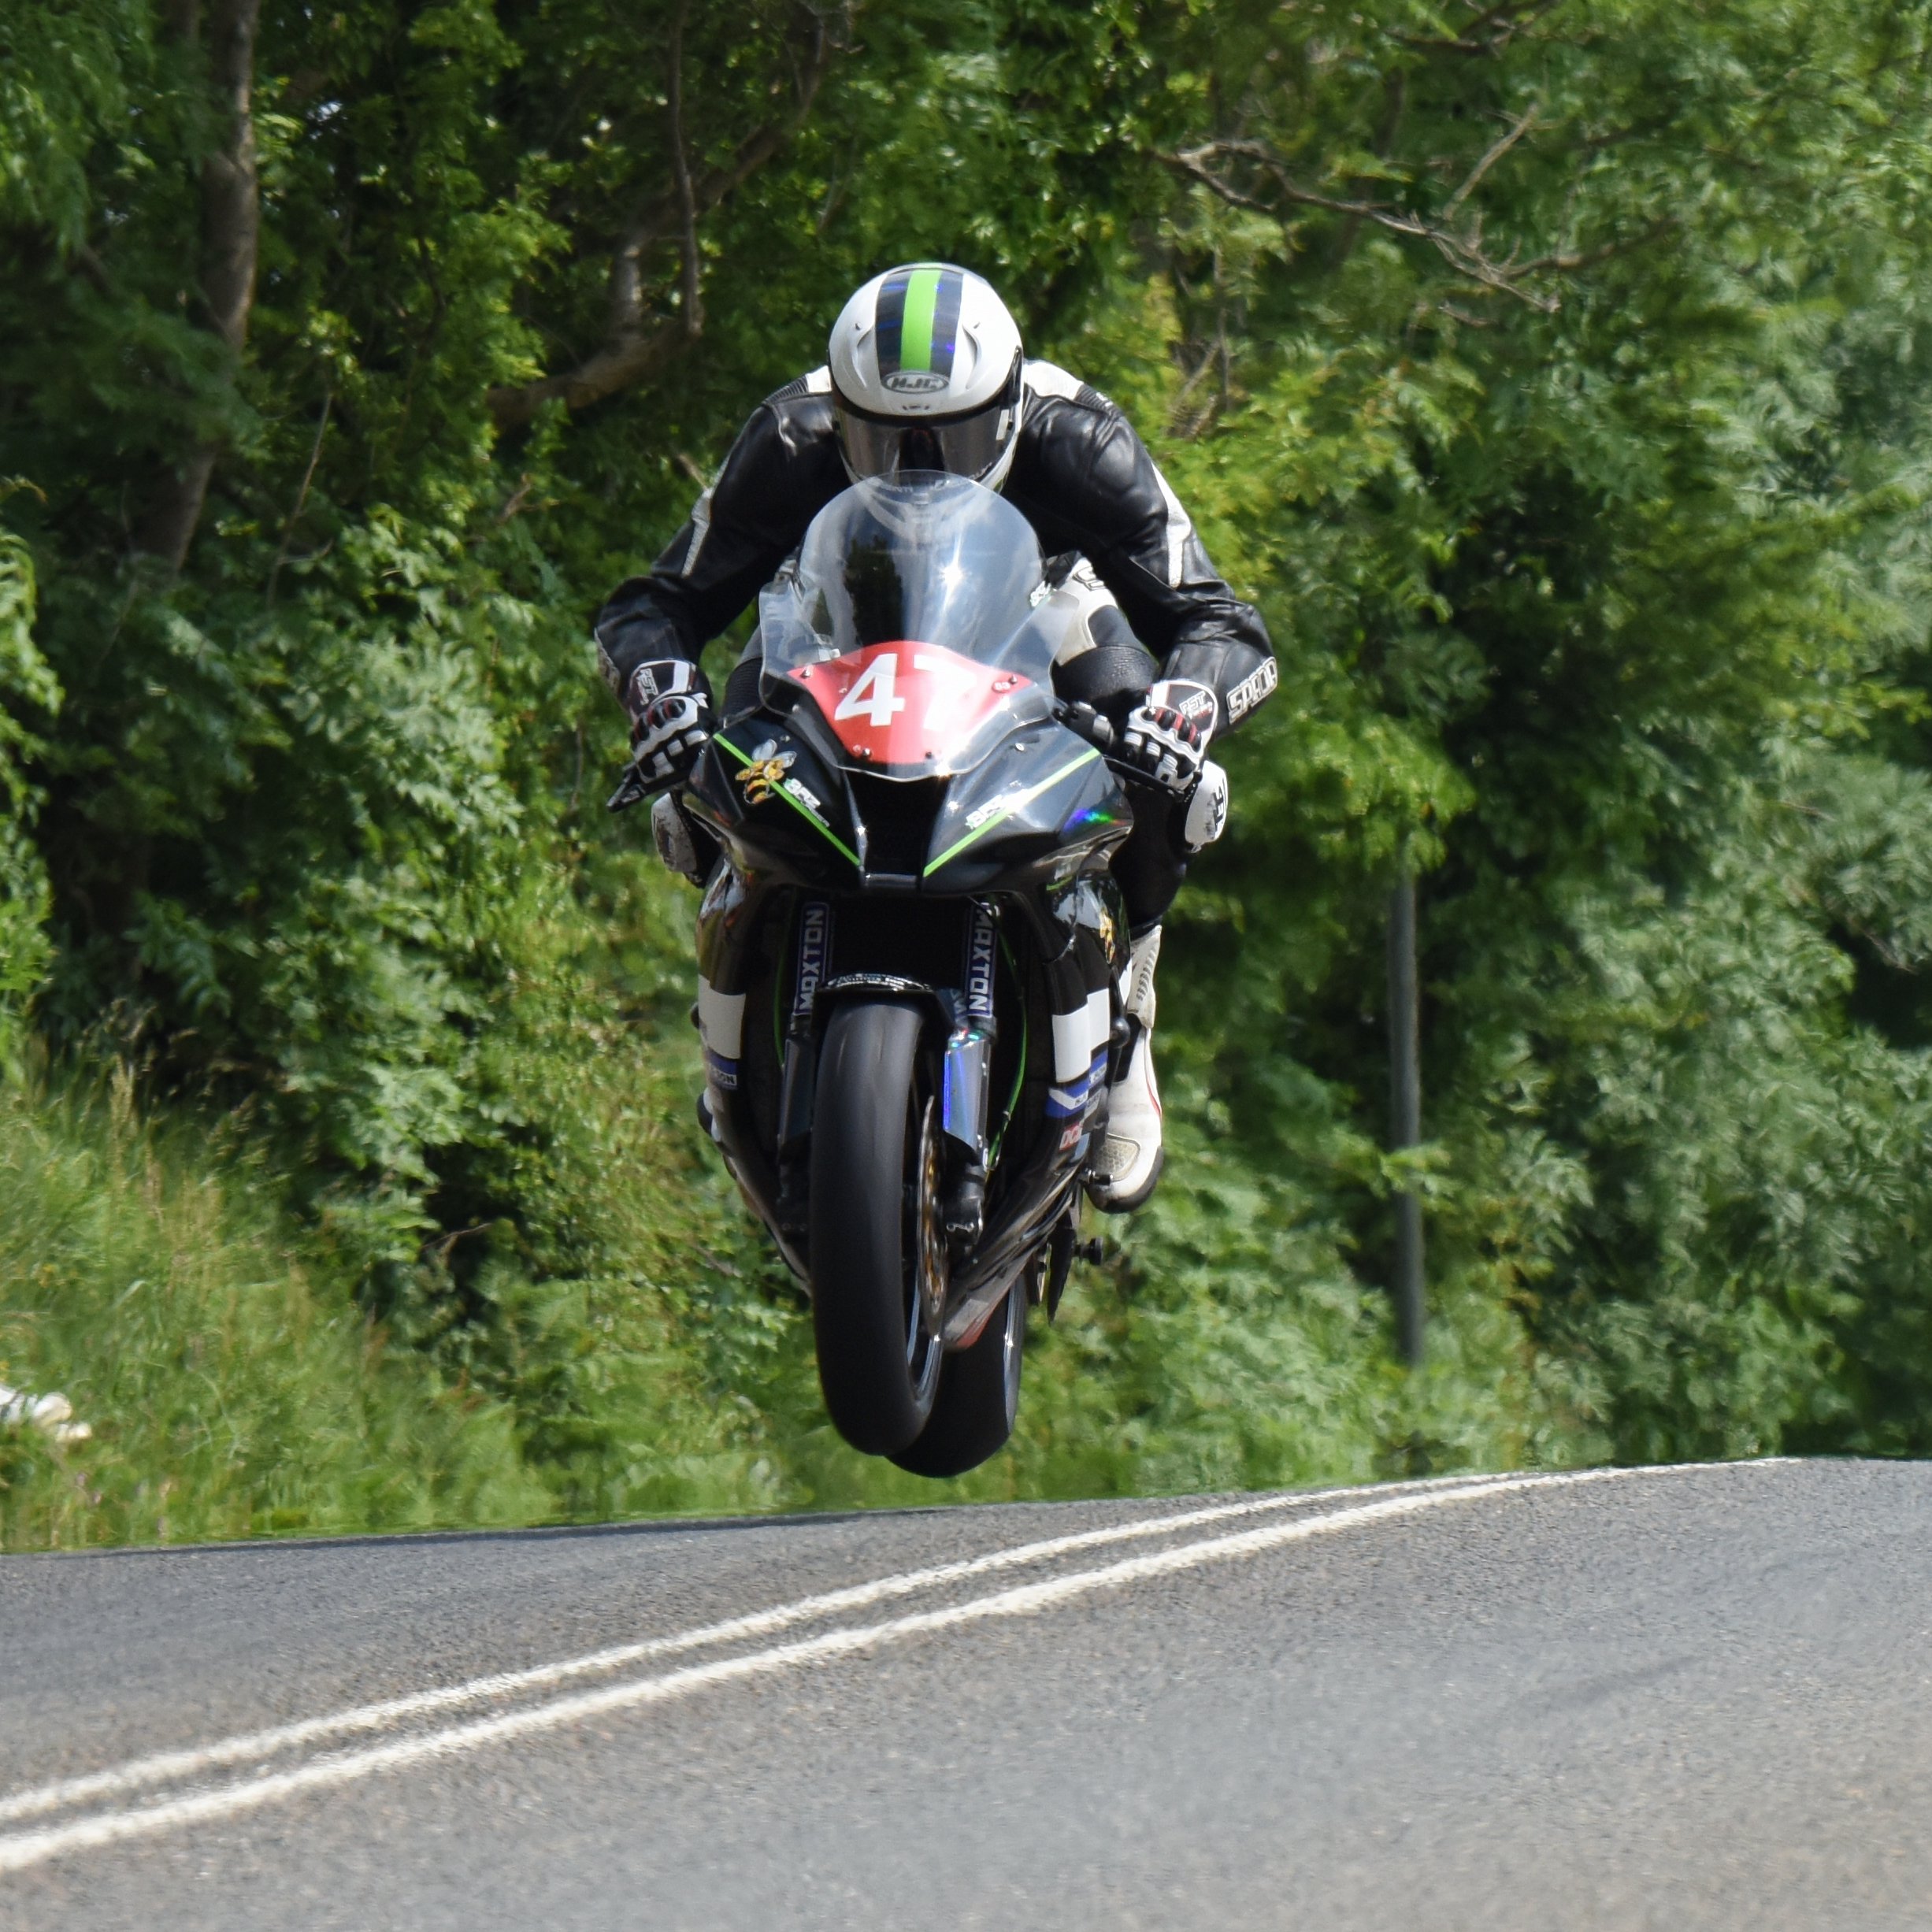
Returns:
(19, 1851)
(169, 1766)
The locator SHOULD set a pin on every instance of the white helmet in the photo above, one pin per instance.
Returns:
(925, 376)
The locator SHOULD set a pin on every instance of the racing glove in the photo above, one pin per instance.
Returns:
(669, 704)
(1164, 741)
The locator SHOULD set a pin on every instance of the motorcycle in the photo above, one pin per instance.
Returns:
(911, 956)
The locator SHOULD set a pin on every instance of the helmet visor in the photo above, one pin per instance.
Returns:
(959, 446)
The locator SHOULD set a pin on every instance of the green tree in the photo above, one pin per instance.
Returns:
(1557, 378)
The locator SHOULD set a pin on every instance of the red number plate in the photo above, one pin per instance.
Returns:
(906, 704)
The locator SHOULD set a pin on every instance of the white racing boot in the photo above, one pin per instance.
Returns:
(1128, 1164)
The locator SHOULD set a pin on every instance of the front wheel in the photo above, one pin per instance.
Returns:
(877, 1248)
(979, 1396)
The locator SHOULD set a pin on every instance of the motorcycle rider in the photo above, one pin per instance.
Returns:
(926, 372)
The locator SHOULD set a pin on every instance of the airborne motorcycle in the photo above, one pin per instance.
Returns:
(909, 956)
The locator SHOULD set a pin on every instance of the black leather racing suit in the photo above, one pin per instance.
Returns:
(1083, 479)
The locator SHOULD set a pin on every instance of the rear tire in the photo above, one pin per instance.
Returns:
(877, 1243)
(979, 1396)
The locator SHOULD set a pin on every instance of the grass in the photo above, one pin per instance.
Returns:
(233, 1386)
(236, 1387)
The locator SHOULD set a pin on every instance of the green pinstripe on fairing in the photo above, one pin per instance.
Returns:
(1012, 805)
(798, 805)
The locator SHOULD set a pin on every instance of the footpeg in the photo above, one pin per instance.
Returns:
(793, 1207)
(965, 1214)
(1060, 1244)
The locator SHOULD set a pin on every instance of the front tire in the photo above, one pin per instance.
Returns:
(878, 1244)
(979, 1396)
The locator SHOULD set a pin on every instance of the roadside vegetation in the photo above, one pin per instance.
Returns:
(1557, 380)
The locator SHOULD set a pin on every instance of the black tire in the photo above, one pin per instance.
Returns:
(876, 1251)
(979, 1396)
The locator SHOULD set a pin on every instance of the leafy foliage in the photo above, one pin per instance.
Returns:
(1556, 378)
(26, 680)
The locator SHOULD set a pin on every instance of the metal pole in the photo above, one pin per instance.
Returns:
(1405, 1108)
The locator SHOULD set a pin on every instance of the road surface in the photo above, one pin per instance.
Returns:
(1675, 1698)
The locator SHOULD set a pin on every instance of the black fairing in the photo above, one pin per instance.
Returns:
(900, 869)
(1041, 806)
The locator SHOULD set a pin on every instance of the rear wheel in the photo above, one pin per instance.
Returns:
(877, 1251)
(979, 1396)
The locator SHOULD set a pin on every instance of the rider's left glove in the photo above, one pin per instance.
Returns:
(669, 704)
(1164, 741)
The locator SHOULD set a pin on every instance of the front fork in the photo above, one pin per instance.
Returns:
(965, 1079)
(798, 1079)
(966, 1089)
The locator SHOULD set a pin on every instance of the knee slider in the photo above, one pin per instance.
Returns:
(1207, 808)
(686, 848)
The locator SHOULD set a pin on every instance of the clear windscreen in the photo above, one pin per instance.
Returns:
(910, 621)
(925, 559)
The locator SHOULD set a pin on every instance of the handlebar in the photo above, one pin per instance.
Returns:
(1084, 721)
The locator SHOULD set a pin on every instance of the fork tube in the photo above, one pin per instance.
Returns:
(798, 1083)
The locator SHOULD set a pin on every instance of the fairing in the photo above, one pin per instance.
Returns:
(1042, 800)
(909, 625)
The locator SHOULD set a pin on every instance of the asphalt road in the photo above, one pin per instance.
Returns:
(1678, 1699)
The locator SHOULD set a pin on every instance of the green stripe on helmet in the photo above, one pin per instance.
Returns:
(915, 340)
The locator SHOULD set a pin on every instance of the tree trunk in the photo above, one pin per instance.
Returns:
(633, 350)
(231, 215)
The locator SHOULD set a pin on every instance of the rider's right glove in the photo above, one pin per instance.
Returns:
(669, 704)
(1164, 741)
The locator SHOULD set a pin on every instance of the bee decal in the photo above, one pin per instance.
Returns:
(765, 774)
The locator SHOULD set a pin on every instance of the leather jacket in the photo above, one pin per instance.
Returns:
(1080, 476)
